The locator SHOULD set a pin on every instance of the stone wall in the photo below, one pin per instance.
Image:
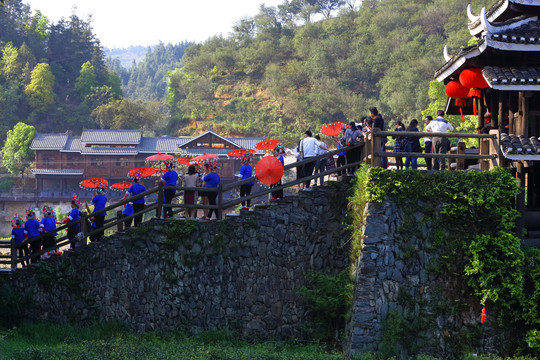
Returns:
(396, 273)
(240, 273)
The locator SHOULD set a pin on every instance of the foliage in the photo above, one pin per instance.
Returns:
(179, 231)
(329, 298)
(474, 218)
(6, 184)
(17, 155)
(49, 341)
(40, 90)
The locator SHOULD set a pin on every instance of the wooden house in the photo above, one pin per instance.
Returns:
(62, 160)
(507, 54)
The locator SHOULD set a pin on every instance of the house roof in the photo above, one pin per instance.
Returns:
(49, 141)
(512, 78)
(500, 12)
(111, 136)
(58, 172)
(192, 143)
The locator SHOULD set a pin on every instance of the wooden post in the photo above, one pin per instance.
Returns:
(83, 229)
(520, 199)
(13, 255)
(120, 225)
(494, 109)
(159, 209)
(220, 202)
(501, 113)
(460, 163)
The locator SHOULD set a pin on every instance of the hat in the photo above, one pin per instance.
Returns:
(246, 157)
(17, 221)
(169, 164)
(137, 177)
(30, 213)
(76, 200)
(102, 188)
(47, 210)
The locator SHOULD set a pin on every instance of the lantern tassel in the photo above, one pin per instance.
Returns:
(475, 109)
(461, 111)
(483, 316)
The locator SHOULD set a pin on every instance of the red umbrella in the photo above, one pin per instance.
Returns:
(184, 160)
(123, 185)
(269, 170)
(93, 183)
(240, 152)
(204, 156)
(159, 157)
(332, 129)
(266, 144)
(143, 171)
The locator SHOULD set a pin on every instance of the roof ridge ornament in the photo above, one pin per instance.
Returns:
(470, 15)
(447, 56)
(486, 25)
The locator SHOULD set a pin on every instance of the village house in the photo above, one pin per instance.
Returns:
(62, 160)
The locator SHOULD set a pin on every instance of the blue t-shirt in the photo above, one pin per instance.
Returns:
(18, 235)
(170, 178)
(280, 158)
(136, 189)
(128, 210)
(31, 227)
(246, 171)
(74, 216)
(99, 202)
(211, 179)
(48, 223)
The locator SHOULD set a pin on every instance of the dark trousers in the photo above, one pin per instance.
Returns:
(127, 223)
(244, 191)
(35, 247)
(100, 222)
(138, 218)
(320, 166)
(278, 194)
(308, 171)
(440, 146)
(340, 162)
(427, 150)
(168, 194)
(23, 251)
(353, 156)
(49, 242)
(212, 201)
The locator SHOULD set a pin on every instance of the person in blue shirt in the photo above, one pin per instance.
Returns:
(278, 194)
(246, 171)
(73, 216)
(99, 201)
(48, 223)
(128, 211)
(211, 180)
(31, 232)
(170, 178)
(17, 234)
(138, 205)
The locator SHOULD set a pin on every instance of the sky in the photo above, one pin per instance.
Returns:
(121, 23)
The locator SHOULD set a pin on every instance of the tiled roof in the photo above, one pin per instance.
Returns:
(528, 33)
(73, 144)
(248, 143)
(501, 11)
(108, 151)
(113, 137)
(49, 141)
(524, 78)
(57, 171)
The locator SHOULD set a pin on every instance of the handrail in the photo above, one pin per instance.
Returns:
(433, 134)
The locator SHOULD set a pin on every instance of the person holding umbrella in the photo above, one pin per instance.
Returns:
(138, 205)
(277, 152)
(211, 179)
(170, 178)
(99, 201)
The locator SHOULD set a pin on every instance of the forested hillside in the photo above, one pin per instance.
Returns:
(278, 74)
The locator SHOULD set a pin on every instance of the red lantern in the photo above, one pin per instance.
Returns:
(459, 92)
(472, 78)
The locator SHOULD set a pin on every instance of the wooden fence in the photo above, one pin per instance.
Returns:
(372, 153)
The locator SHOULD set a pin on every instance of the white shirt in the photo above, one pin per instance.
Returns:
(439, 125)
(308, 146)
(321, 148)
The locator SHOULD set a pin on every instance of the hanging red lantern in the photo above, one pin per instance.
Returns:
(458, 92)
(472, 78)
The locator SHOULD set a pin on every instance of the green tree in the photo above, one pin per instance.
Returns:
(17, 155)
(40, 90)
(86, 81)
(10, 64)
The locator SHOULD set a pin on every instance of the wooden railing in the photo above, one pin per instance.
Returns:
(372, 155)
(489, 153)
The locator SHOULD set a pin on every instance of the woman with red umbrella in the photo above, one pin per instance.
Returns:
(170, 178)
(277, 152)
(138, 205)
(211, 180)
(99, 201)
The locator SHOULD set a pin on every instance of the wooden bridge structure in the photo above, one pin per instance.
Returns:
(489, 157)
